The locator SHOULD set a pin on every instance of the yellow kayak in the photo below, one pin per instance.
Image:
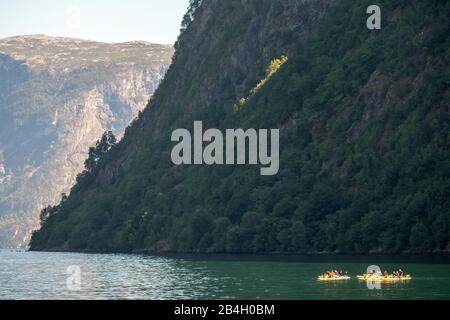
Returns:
(322, 278)
(366, 277)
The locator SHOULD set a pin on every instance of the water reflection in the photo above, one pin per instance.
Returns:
(28, 275)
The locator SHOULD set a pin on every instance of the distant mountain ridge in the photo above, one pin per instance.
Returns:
(57, 97)
(64, 54)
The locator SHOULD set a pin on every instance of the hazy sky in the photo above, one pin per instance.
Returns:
(101, 20)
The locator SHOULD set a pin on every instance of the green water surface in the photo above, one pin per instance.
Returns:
(29, 275)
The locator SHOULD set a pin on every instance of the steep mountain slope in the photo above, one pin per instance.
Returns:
(364, 120)
(57, 97)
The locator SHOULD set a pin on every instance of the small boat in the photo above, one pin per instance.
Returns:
(334, 278)
(390, 278)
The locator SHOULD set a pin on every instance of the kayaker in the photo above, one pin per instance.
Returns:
(386, 274)
(401, 273)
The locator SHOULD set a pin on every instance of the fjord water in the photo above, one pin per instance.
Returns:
(35, 275)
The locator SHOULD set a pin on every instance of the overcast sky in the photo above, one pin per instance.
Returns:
(155, 21)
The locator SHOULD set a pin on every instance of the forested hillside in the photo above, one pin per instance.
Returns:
(365, 136)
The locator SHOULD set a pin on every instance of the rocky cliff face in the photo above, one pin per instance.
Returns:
(57, 97)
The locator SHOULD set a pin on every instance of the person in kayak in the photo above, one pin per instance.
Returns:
(328, 275)
(334, 274)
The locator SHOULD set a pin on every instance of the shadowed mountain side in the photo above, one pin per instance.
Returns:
(364, 138)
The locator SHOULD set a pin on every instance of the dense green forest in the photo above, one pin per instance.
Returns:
(364, 147)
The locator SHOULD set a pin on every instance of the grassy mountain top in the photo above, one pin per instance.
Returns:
(43, 52)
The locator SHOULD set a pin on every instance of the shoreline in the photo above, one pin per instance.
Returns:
(405, 254)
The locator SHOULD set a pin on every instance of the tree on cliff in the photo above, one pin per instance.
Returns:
(102, 146)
